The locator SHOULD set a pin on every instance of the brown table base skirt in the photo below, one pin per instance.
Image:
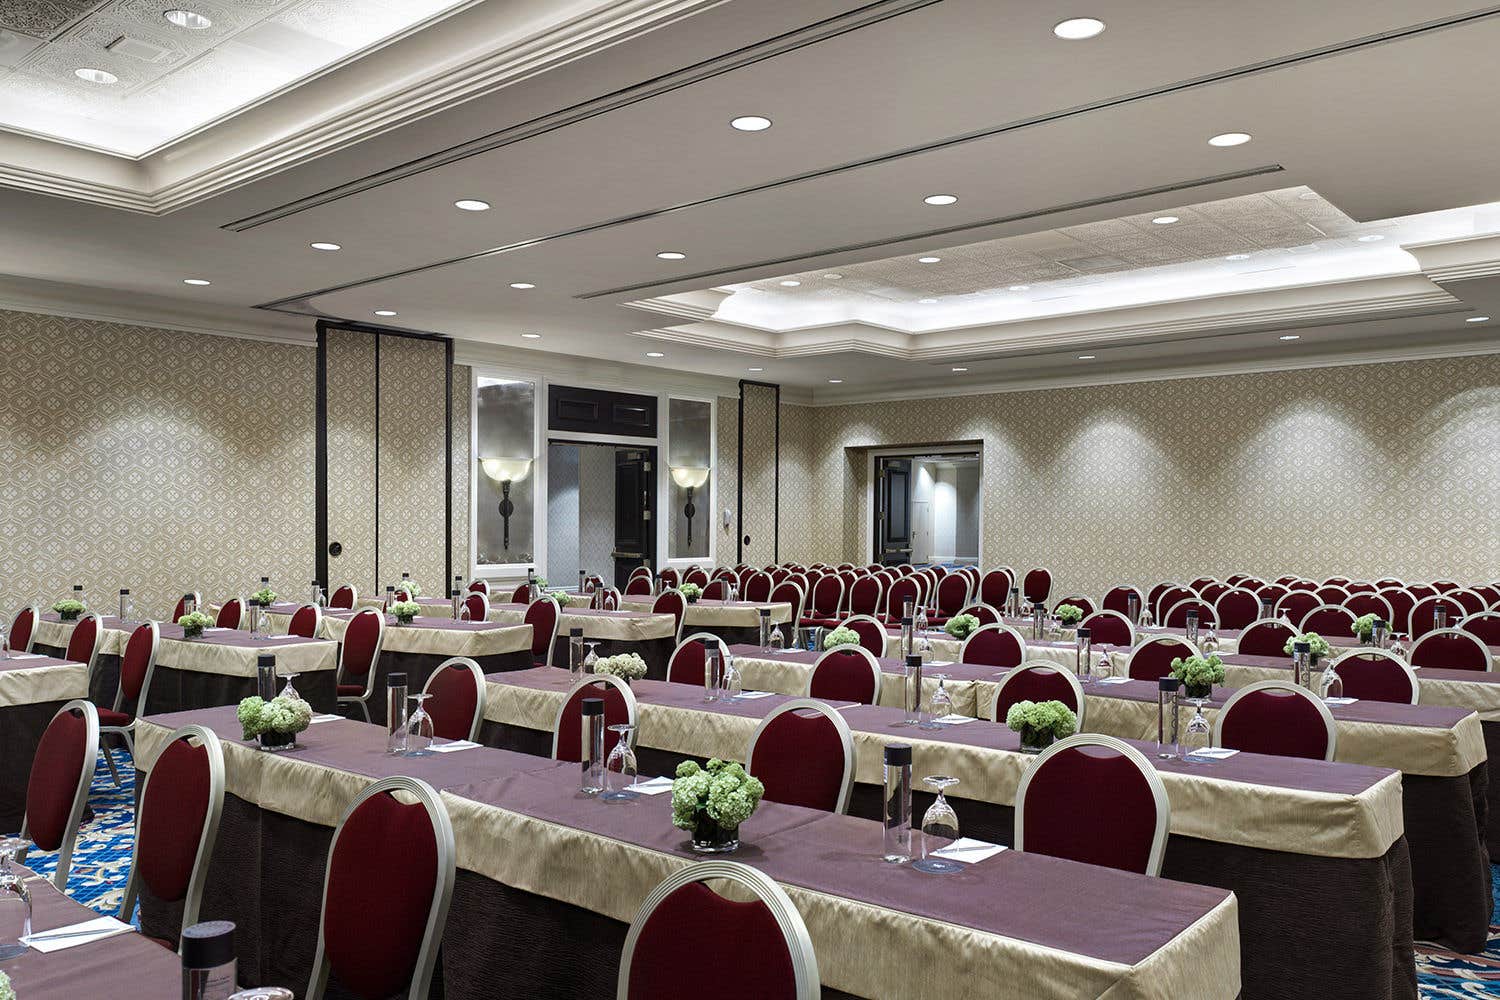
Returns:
(1492, 793)
(656, 652)
(419, 666)
(174, 690)
(21, 728)
(1446, 830)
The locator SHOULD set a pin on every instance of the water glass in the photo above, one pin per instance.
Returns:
(939, 824)
(419, 729)
(778, 642)
(620, 769)
(941, 705)
(732, 684)
(591, 658)
(11, 884)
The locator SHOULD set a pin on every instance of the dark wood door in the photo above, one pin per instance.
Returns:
(635, 534)
(893, 511)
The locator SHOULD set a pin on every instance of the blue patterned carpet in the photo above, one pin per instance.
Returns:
(101, 864)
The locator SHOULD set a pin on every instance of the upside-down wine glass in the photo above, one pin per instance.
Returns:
(940, 707)
(940, 822)
(419, 728)
(590, 658)
(620, 769)
(1198, 734)
(12, 884)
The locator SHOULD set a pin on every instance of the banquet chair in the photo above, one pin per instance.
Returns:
(1451, 649)
(671, 602)
(687, 661)
(386, 889)
(1401, 602)
(638, 586)
(952, 594)
(567, 727)
(1444, 586)
(1087, 783)
(1236, 608)
(905, 589)
(686, 936)
(722, 573)
(58, 787)
(1203, 581)
(803, 752)
(757, 587)
(865, 594)
(1387, 582)
(986, 614)
(1038, 586)
(1420, 591)
(872, 633)
(1266, 637)
(1118, 599)
(358, 654)
(1471, 602)
(401, 593)
(1332, 594)
(23, 630)
(521, 595)
(542, 615)
(1360, 587)
(1169, 599)
(231, 614)
(137, 664)
(457, 704)
(695, 576)
(343, 598)
(993, 646)
(1423, 613)
(180, 608)
(1277, 718)
(845, 673)
(177, 822)
(609, 599)
(1213, 591)
(307, 622)
(1176, 616)
(83, 644)
(1370, 603)
(1376, 675)
(478, 586)
(1152, 659)
(1309, 586)
(1078, 601)
(788, 592)
(478, 606)
(1486, 625)
(779, 574)
(1155, 594)
(1038, 680)
(1295, 605)
(717, 590)
(1491, 594)
(1272, 592)
(1236, 579)
(1328, 620)
(1287, 580)
(994, 588)
(826, 600)
(670, 578)
(1336, 581)
(1109, 628)
(640, 571)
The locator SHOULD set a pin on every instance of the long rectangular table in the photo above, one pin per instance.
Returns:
(732, 621)
(32, 688)
(651, 636)
(1053, 645)
(1271, 829)
(572, 871)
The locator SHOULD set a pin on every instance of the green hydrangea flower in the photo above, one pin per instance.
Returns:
(959, 626)
(840, 636)
(627, 666)
(249, 716)
(406, 609)
(1364, 627)
(279, 715)
(722, 791)
(263, 597)
(1069, 614)
(195, 620)
(1198, 671)
(691, 590)
(7, 991)
(1045, 718)
(1317, 646)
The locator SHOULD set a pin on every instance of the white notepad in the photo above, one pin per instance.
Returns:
(968, 850)
(1339, 701)
(747, 695)
(324, 718)
(1114, 680)
(453, 747)
(73, 935)
(1212, 753)
(954, 720)
(653, 787)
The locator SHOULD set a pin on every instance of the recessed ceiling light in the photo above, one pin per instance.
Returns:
(941, 199)
(754, 369)
(1078, 28)
(1230, 139)
(655, 354)
(1238, 256)
(196, 281)
(472, 205)
(187, 19)
(532, 336)
(1164, 220)
(521, 284)
(672, 255)
(385, 312)
(1087, 357)
(329, 247)
(960, 369)
(1020, 288)
(1477, 319)
(927, 302)
(95, 75)
(835, 381)
(1291, 336)
(750, 123)
(1371, 238)
(790, 284)
(833, 277)
(928, 260)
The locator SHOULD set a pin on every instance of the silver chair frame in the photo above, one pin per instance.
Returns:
(480, 687)
(846, 740)
(1301, 692)
(363, 701)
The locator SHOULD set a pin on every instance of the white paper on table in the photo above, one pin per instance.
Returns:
(324, 718)
(955, 720)
(1339, 701)
(25, 656)
(453, 747)
(1114, 680)
(968, 850)
(653, 787)
(1212, 753)
(51, 940)
(939, 663)
(746, 695)
(218, 630)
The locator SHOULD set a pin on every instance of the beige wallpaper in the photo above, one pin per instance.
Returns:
(351, 459)
(150, 459)
(463, 389)
(413, 480)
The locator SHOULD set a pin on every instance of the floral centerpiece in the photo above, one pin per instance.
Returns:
(405, 611)
(68, 609)
(194, 623)
(1364, 627)
(959, 626)
(712, 802)
(413, 589)
(1040, 723)
(1198, 674)
(275, 723)
(7, 991)
(1069, 614)
(626, 666)
(265, 597)
(1317, 646)
(841, 636)
(691, 591)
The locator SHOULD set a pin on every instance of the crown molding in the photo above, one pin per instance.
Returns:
(1459, 259)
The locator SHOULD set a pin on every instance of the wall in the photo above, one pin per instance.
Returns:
(799, 490)
(562, 514)
(966, 517)
(596, 511)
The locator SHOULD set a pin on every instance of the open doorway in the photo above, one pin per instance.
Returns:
(927, 507)
(599, 500)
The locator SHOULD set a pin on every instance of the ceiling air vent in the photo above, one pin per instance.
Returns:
(1093, 265)
(137, 49)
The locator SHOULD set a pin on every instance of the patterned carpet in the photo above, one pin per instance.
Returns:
(102, 864)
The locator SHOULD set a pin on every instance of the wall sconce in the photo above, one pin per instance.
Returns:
(690, 479)
(506, 471)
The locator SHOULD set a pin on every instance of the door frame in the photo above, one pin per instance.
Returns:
(870, 539)
(620, 443)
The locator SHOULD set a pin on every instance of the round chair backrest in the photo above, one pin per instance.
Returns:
(1237, 608)
(1177, 614)
(1387, 582)
(1213, 591)
(1203, 581)
(22, 627)
(697, 577)
(671, 602)
(1419, 591)
(638, 585)
(903, 590)
(788, 592)
(716, 590)
(644, 571)
(1278, 718)
(1038, 586)
(136, 664)
(1152, 659)
(803, 753)
(1332, 594)
(479, 587)
(1329, 620)
(828, 597)
(343, 597)
(1109, 628)
(1491, 594)
(1424, 613)
(1401, 602)
(1038, 680)
(1266, 637)
(457, 704)
(1336, 581)
(846, 673)
(58, 786)
(1370, 603)
(1169, 599)
(871, 633)
(1444, 586)
(1154, 595)
(478, 606)
(1295, 605)
(1360, 587)
(1308, 586)
(670, 578)
(567, 729)
(994, 589)
(1451, 649)
(183, 797)
(230, 614)
(758, 587)
(1375, 675)
(521, 594)
(1272, 592)
(1486, 625)
(1472, 603)
(952, 593)
(306, 621)
(986, 614)
(542, 615)
(994, 646)
(1118, 599)
(180, 608)
(83, 644)
(687, 661)
(361, 644)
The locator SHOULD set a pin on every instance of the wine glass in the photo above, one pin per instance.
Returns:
(13, 884)
(733, 683)
(778, 641)
(419, 729)
(1104, 667)
(621, 762)
(591, 658)
(290, 691)
(941, 705)
(940, 822)
(1198, 733)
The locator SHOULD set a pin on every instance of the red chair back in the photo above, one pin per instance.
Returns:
(83, 644)
(671, 602)
(758, 587)
(994, 589)
(542, 616)
(845, 673)
(21, 628)
(986, 614)
(231, 614)
(1424, 611)
(1036, 682)
(180, 608)
(1302, 585)
(1491, 595)
(1109, 628)
(1472, 603)
(457, 689)
(638, 586)
(1418, 591)
(521, 595)
(1152, 659)
(1078, 601)
(1451, 649)
(1213, 591)
(480, 587)
(135, 667)
(1237, 608)
(1486, 626)
(716, 590)
(1295, 605)
(1330, 620)
(1118, 599)
(305, 621)
(1272, 592)
(696, 576)
(1266, 637)
(1444, 586)
(952, 594)
(60, 773)
(1336, 581)
(803, 756)
(1401, 602)
(1170, 598)
(788, 592)
(689, 658)
(1274, 717)
(872, 634)
(1038, 586)
(905, 589)
(1372, 675)
(1370, 603)
(670, 578)
(994, 646)
(619, 709)
(478, 606)
(343, 597)
(1332, 594)
(1177, 614)
(1203, 581)
(1360, 587)
(864, 594)
(361, 644)
(1155, 594)
(176, 805)
(827, 598)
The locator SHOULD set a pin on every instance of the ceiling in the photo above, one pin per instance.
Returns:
(598, 134)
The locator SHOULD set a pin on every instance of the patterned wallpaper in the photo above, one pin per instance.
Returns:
(351, 459)
(151, 459)
(759, 516)
(463, 398)
(413, 479)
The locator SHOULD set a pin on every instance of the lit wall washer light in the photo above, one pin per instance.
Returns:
(532, 336)
(833, 277)
(1230, 139)
(1076, 29)
(1087, 357)
(1371, 238)
(522, 284)
(472, 205)
(95, 75)
(835, 381)
(754, 369)
(790, 284)
(1290, 336)
(672, 255)
(1164, 220)
(928, 260)
(1477, 319)
(385, 312)
(960, 369)
(940, 199)
(326, 247)
(196, 281)
(187, 19)
(750, 123)
(655, 354)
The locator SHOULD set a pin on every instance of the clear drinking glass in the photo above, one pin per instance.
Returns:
(620, 770)
(941, 705)
(591, 658)
(290, 691)
(939, 823)
(11, 884)
(778, 641)
(1198, 733)
(1104, 667)
(419, 729)
(732, 685)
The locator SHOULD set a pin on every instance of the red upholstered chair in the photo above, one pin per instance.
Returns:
(307, 622)
(1176, 616)
(521, 595)
(670, 578)
(757, 587)
(231, 614)
(1155, 594)
(180, 608)
(609, 598)
(457, 703)
(671, 602)
(1336, 581)
(177, 823)
(22, 630)
(1401, 602)
(1303, 585)
(1038, 680)
(1266, 637)
(994, 646)
(1213, 591)
(926, 587)
(686, 663)
(845, 673)
(1152, 659)
(1360, 587)
(479, 587)
(1295, 605)
(1425, 610)
(872, 634)
(1471, 602)
(386, 891)
(1490, 593)
(994, 588)
(905, 589)
(1203, 581)
(677, 942)
(1287, 580)
(1272, 592)
(137, 664)
(542, 615)
(1370, 603)
(986, 614)
(638, 586)
(1486, 625)
(717, 590)
(1083, 784)
(1332, 594)
(1170, 598)
(864, 595)
(58, 787)
(1251, 583)
(1451, 649)
(952, 594)
(1329, 620)
(83, 644)
(1418, 591)
(478, 606)
(1278, 718)
(1109, 628)
(1078, 601)
(345, 596)
(788, 592)
(827, 599)
(1387, 582)
(1037, 586)
(1376, 675)
(567, 728)
(695, 576)
(724, 573)
(645, 571)
(358, 654)
(1236, 608)
(1118, 599)
(803, 753)
(1444, 586)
